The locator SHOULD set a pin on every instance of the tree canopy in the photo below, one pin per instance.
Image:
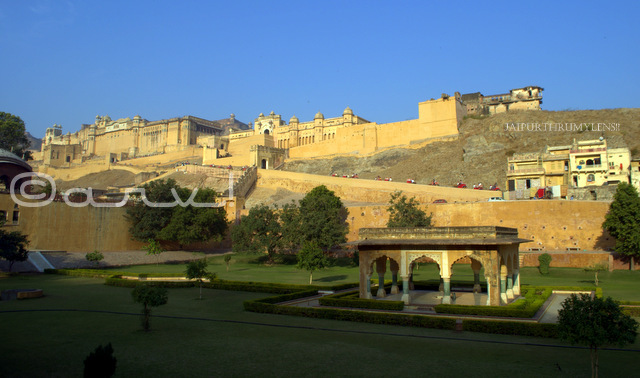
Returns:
(258, 232)
(321, 219)
(12, 135)
(404, 212)
(13, 246)
(182, 224)
(595, 322)
(623, 219)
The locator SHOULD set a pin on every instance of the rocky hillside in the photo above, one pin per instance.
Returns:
(481, 151)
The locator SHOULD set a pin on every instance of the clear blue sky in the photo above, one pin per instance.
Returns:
(65, 62)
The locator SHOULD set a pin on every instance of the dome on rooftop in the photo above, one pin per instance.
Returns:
(294, 119)
(318, 116)
(347, 111)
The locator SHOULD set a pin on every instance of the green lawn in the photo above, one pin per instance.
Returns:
(53, 343)
(619, 284)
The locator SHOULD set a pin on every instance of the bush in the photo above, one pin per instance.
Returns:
(100, 363)
(94, 256)
(544, 261)
(631, 311)
(511, 328)
(267, 305)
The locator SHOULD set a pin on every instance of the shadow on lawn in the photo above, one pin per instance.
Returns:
(332, 278)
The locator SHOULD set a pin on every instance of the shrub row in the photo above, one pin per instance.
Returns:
(100, 273)
(511, 328)
(267, 305)
(631, 311)
(260, 287)
(350, 299)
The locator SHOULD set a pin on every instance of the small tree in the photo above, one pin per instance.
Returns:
(404, 212)
(595, 322)
(544, 260)
(100, 363)
(311, 258)
(95, 257)
(154, 248)
(13, 246)
(149, 296)
(227, 260)
(622, 221)
(197, 270)
(596, 268)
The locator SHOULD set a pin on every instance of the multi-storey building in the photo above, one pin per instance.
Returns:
(527, 98)
(581, 164)
(124, 137)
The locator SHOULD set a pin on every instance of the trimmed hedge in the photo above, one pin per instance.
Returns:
(511, 328)
(631, 311)
(260, 287)
(534, 298)
(100, 273)
(267, 305)
(350, 299)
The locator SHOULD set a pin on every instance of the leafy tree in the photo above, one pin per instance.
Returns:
(13, 246)
(321, 219)
(227, 260)
(622, 221)
(195, 224)
(155, 249)
(147, 222)
(258, 232)
(197, 270)
(13, 137)
(94, 256)
(404, 212)
(182, 224)
(149, 296)
(595, 322)
(100, 363)
(311, 258)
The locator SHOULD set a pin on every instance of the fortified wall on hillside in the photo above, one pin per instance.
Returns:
(230, 142)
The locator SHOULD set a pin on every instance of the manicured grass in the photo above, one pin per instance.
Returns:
(55, 343)
(619, 284)
(243, 268)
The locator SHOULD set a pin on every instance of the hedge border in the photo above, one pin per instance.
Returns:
(339, 300)
(268, 305)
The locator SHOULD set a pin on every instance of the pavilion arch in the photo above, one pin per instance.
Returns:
(491, 246)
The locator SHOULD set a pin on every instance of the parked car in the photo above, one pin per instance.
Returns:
(440, 201)
(496, 199)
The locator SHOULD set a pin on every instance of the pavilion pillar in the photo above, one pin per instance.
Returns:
(405, 289)
(393, 265)
(446, 294)
(510, 295)
(475, 266)
(503, 284)
(367, 293)
(516, 282)
(381, 268)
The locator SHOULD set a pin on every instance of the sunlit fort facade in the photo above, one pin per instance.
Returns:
(128, 138)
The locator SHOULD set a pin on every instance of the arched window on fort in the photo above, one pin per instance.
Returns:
(589, 162)
(591, 178)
